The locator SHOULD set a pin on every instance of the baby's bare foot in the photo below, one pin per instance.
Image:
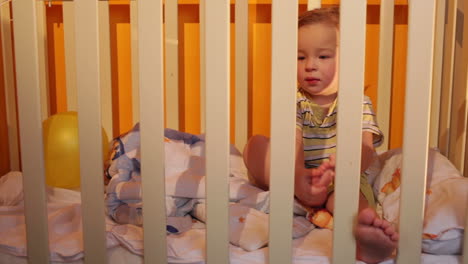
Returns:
(376, 238)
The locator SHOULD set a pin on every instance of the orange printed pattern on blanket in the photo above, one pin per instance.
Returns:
(428, 236)
(392, 185)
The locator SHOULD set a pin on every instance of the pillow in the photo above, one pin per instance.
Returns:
(446, 200)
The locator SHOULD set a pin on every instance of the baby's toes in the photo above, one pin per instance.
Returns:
(378, 223)
(390, 230)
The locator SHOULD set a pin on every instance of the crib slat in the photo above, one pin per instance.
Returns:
(151, 79)
(416, 128)
(70, 60)
(437, 73)
(172, 57)
(202, 19)
(217, 41)
(283, 130)
(384, 86)
(313, 4)
(242, 66)
(105, 67)
(30, 121)
(135, 65)
(349, 127)
(9, 82)
(447, 77)
(459, 109)
(89, 132)
(43, 62)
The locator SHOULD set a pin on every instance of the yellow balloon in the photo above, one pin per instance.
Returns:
(61, 150)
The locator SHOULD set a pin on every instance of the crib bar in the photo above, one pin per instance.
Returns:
(416, 128)
(9, 82)
(68, 8)
(202, 23)
(135, 65)
(437, 72)
(217, 41)
(349, 127)
(172, 64)
(384, 86)
(283, 74)
(89, 132)
(30, 123)
(242, 72)
(447, 77)
(105, 67)
(313, 4)
(43, 62)
(459, 109)
(150, 57)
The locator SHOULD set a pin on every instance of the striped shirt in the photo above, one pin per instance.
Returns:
(319, 128)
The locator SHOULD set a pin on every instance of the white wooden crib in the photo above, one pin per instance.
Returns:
(430, 68)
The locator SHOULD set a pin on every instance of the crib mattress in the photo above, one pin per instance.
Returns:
(189, 248)
(121, 255)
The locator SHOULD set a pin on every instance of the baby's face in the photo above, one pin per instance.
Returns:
(317, 60)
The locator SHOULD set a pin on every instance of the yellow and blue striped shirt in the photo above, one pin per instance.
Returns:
(319, 128)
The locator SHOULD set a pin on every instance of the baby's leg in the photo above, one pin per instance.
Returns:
(257, 160)
(376, 238)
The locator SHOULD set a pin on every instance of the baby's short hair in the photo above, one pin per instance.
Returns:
(326, 15)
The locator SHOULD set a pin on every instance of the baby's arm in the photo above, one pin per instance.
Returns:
(311, 184)
(368, 151)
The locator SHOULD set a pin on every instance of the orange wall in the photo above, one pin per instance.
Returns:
(189, 70)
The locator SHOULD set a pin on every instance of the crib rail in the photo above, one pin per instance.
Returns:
(89, 133)
(30, 124)
(415, 148)
(87, 49)
(283, 67)
(348, 167)
(216, 70)
(151, 79)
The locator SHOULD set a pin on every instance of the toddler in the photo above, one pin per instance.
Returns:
(317, 74)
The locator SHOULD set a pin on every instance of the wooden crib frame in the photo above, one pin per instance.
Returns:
(431, 66)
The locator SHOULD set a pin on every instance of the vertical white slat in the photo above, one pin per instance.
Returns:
(384, 93)
(30, 123)
(217, 41)
(416, 128)
(465, 171)
(135, 64)
(349, 127)
(314, 4)
(202, 64)
(43, 62)
(283, 128)
(242, 78)
(89, 132)
(68, 8)
(172, 64)
(437, 73)
(459, 109)
(447, 77)
(151, 79)
(105, 67)
(7, 51)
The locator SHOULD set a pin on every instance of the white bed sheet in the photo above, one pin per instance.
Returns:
(189, 248)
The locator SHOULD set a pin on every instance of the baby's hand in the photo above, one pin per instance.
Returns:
(313, 183)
